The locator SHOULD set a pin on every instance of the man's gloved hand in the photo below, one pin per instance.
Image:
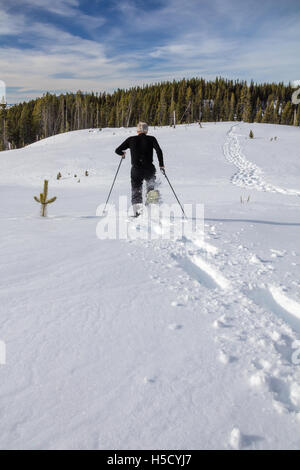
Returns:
(124, 155)
(162, 169)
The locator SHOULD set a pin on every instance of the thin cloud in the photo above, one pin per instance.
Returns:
(59, 7)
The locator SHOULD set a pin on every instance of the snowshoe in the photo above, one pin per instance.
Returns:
(153, 197)
(137, 210)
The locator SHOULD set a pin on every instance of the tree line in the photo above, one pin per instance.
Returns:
(192, 100)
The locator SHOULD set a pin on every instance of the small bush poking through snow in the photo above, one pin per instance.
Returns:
(251, 135)
(58, 176)
(43, 199)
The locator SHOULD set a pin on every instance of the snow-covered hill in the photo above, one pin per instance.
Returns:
(123, 344)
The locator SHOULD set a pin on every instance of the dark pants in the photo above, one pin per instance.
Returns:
(138, 175)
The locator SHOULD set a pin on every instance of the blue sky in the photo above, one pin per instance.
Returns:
(66, 45)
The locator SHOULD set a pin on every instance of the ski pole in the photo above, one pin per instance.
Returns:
(165, 175)
(112, 185)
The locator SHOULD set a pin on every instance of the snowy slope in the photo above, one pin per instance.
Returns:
(123, 344)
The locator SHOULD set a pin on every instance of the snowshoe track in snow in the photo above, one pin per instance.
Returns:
(239, 327)
(202, 272)
(279, 303)
(248, 175)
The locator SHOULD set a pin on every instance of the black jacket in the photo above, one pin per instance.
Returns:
(141, 148)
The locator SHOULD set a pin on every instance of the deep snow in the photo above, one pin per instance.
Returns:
(182, 344)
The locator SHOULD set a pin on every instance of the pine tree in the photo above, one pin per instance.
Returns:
(276, 115)
(199, 103)
(189, 103)
(268, 116)
(242, 102)
(3, 127)
(206, 111)
(216, 111)
(287, 114)
(43, 199)
(232, 108)
(298, 116)
(181, 102)
(247, 107)
(173, 110)
(258, 115)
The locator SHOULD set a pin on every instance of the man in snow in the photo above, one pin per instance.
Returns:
(141, 148)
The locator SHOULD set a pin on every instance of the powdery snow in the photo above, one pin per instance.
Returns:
(140, 344)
